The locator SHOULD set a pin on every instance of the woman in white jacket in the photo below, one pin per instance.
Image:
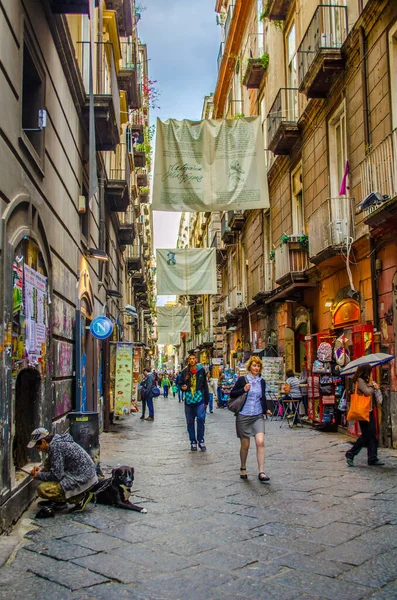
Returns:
(212, 391)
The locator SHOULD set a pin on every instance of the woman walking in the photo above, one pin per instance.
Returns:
(250, 421)
(366, 387)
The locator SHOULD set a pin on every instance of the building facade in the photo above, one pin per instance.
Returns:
(65, 204)
(320, 264)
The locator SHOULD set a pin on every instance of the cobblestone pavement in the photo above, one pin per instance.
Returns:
(319, 531)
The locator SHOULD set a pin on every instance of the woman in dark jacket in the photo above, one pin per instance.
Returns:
(250, 421)
(366, 387)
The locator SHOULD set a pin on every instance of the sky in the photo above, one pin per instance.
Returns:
(182, 40)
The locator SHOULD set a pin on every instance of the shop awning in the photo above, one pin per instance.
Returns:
(288, 291)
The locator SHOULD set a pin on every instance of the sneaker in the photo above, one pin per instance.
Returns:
(193, 447)
(202, 447)
(80, 506)
(52, 505)
(149, 419)
(349, 460)
(377, 463)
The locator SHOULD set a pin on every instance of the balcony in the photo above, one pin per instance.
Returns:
(235, 219)
(227, 234)
(119, 177)
(127, 74)
(256, 61)
(139, 158)
(106, 95)
(291, 261)
(228, 21)
(330, 229)
(221, 252)
(124, 11)
(262, 286)
(277, 9)
(220, 54)
(282, 122)
(234, 109)
(254, 73)
(143, 197)
(133, 258)
(320, 56)
(125, 229)
(379, 175)
(71, 7)
(141, 180)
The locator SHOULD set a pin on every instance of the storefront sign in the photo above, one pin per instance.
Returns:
(123, 385)
(101, 328)
(347, 312)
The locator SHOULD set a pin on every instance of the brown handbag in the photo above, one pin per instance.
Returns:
(360, 407)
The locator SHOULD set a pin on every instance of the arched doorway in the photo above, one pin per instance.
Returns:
(27, 412)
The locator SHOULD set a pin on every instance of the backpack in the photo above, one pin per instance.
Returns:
(155, 391)
(324, 352)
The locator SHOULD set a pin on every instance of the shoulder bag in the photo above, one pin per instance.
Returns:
(359, 407)
(236, 404)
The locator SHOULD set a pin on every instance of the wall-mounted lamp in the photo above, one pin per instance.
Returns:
(96, 253)
(114, 293)
(328, 303)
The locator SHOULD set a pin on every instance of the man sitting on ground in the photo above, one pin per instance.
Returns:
(69, 472)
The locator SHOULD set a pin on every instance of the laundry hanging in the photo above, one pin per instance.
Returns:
(168, 338)
(188, 271)
(210, 165)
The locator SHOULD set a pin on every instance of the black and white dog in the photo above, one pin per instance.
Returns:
(116, 490)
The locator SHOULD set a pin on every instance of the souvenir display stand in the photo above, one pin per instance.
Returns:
(326, 354)
(273, 374)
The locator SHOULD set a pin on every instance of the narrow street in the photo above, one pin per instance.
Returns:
(319, 531)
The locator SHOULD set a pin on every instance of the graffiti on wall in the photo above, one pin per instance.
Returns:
(63, 400)
(63, 318)
(63, 359)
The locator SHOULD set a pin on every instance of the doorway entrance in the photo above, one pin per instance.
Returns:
(27, 415)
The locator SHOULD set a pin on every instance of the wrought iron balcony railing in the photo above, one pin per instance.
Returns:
(330, 228)
(282, 121)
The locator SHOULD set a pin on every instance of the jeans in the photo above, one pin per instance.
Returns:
(219, 390)
(166, 391)
(180, 393)
(149, 402)
(211, 402)
(195, 412)
(143, 407)
(367, 439)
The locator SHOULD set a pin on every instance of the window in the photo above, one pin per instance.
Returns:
(337, 150)
(298, 220)
(292, 81)
(33, 99)
(393, 75)
(85, 217)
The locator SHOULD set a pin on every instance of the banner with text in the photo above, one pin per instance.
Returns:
(186, 271)
(173, 318)
(210, 165)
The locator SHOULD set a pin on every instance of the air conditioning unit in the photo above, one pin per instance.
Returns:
(338, 232)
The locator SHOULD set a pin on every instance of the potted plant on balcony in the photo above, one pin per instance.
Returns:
(144, 194)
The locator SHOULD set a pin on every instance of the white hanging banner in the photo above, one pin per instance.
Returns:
(173, 318)
(168, 338)
(186, 271)
(210, 165)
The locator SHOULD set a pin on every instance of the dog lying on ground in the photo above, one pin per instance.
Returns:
(116, 490)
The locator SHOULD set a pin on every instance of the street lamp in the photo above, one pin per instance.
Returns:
(96, 253)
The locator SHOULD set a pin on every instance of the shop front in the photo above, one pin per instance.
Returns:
(327, 352)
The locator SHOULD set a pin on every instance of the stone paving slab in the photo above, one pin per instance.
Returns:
(66, 574)
(319, 531)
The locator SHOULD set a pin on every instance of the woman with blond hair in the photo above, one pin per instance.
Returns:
(250, 420)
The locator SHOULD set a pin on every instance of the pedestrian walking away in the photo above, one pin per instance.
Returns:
(219, 388)
(68, 475)
(178, 381)
(194, 384)
(368, 437)
(165, 382)
(250, 421)
(212, 391)
(147, 394)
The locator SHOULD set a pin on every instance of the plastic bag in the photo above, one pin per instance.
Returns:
(378, 396)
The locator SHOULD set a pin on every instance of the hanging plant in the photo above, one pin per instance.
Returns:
(304, 241)
(272, 255)
(264, 59)
(279, 25)
(284, 239)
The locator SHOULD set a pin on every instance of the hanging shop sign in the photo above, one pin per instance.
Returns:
(101, 328)
(210, 165)
(189, 271)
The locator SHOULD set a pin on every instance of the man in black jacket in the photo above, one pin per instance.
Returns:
(147, 395)
(195, 386)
